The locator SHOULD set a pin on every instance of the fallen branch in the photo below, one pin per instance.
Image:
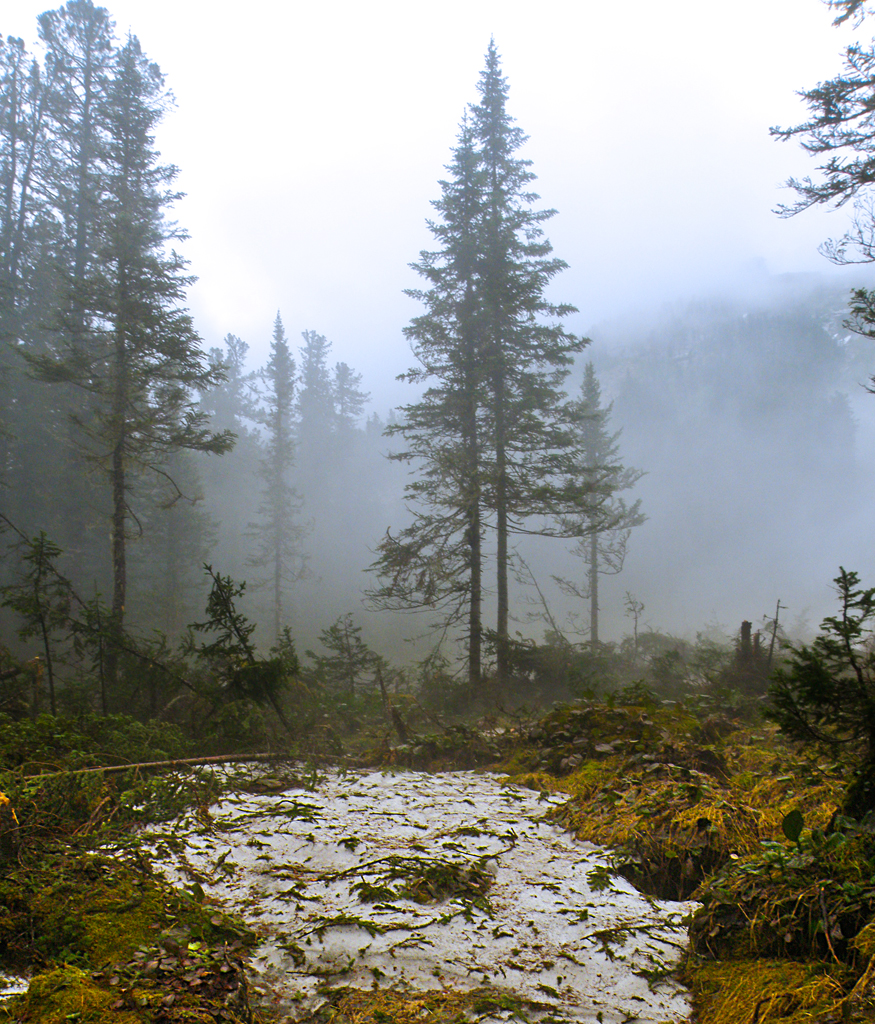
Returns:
(188, 762)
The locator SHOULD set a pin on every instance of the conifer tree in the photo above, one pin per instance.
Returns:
(349, 657)
(81, 61)
(841, 130)
(80, 53)
(233, 483)
(30, 243)
(526, 350)
(278, 531)
(23, 145)
(123, 337)
(230, 404)
(436, 563)
(315, 418)
(349, 402)
(604, 527)
(824, 693)
(491, 434)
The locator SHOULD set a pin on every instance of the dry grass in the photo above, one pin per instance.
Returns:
(765, 992)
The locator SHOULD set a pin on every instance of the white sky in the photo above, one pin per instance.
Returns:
(311, 136)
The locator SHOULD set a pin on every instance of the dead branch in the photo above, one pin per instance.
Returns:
(188, 762)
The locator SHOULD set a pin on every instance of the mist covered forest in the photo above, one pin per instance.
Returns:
(670, 476)
(590, 567)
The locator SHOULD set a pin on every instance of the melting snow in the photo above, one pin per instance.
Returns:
(12, 985)
(423, 881)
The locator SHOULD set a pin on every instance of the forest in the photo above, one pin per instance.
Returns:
(223, 583)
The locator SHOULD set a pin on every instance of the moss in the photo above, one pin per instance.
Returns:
(85, 910)
(194, 985)
(120, 919)
(91, 910)
(764, 991)
(592, 776)
(517, 762)
(64, 995)
(441, 1006)
(864, 941)
(668, 826)
(540, 782)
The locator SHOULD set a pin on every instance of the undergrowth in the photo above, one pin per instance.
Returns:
(692, 804)
(724, 811)
(75, 915)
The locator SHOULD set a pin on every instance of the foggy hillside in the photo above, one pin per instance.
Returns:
(751, 422)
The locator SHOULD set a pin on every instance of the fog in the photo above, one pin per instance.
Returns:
(310, 141)
(747, 413)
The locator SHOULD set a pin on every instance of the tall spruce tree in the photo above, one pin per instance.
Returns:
(30, 252)
(123, 337)
(349, 402)
(230, 404)
(233, 483)
(526, 351)
(79, 46)
(437, 562)
(315, 419)
(278, 531)
(607, 522)
(24, 116)
(81, 60)
(491, 434)
(348, 451)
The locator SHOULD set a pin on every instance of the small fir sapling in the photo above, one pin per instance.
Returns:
(825, 694)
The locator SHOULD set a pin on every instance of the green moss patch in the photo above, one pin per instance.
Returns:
(443, 1006)
(83, 910)
(66, 995)
(91, 910)
(168, 983)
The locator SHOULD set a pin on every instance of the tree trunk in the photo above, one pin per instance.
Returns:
(502, 660)
(117, 482)
(475, 611)
(474, 538)
(277, 583)
(119, 563)
(44, 629)
(594, 590)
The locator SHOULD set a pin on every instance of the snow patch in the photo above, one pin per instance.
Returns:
(423, 881)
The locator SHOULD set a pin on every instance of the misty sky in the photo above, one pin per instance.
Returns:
(311, 137)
